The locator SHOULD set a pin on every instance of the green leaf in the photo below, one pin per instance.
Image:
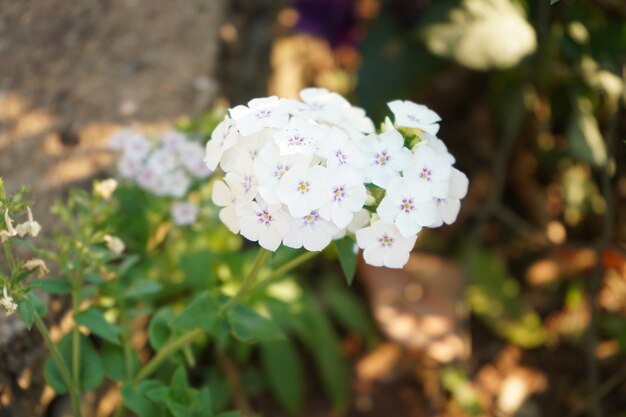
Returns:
(160, 329)
(249, 326)
(134, 396)
(29, 306)
(93, 319)
(91, 372)
(55, 286)
(114, 363)
(142, 288)
(229, 414)
(349, 309)
(282, 366)
(347, 252)
(201, 313)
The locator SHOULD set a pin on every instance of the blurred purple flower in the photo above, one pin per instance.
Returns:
(333, 20)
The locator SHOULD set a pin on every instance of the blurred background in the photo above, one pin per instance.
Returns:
(518, 309)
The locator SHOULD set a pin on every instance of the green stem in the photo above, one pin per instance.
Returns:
(248, 281)
(280, 272)
(75, 332)
(9, 256)
(58, 359)
(166, 351)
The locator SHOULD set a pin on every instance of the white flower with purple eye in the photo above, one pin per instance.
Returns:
(175, 184)
(448, 208)
(322, 105)
(129, 138)
(223, 138)
(385, 156)
(340, 151)
(346, 196)
(172, 140)
(267, 224)
(311, 232)
(184, 213)
(191, 156)
(354, 121)
(299, 136)
(162, 160)
(270, 167)
(409, 114)
(247, 147)
(228, 194)
(432, 169)
(129, 168)
(303, 189)
(409, 205)
(260, 113)
(384, 245)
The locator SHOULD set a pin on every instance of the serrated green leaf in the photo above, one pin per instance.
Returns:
(93, 319)
(347, 252)
(91, 372)
(283, 368)
(249, 326)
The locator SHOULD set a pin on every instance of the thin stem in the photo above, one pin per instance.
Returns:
(248, 281)
(58, 359)
(9, 256)
(280, 272)
(75, 330)
(166, 351)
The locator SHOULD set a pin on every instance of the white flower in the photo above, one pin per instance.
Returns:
(38, 264)
(346, 196)
(105, 188)
(136, 146)
(384, 245)
(247, 147)
(173, 140)
(125, 138)
(7, 303)
(173, 184)
(114, 244)
(448, 208)
(228, 194)
(299, 136)
(311, 232)
(354, 121)
(385, 157)
(129, 168)
(322, 105)
(432, 169)
(260, 113)
(360, 220)
(409, 114)
(191, 155)
(8, 223)
(270, 167)
(409, 205)
(184, 213)
(339, 150)
(303, 189)
(162, 160)
(267, 224)
(223, 138)
(29, 227)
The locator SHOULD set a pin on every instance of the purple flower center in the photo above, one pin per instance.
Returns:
(339, 193)
(382, 158)
(311, 218)
(263, 113)
(425, 174)
(386, 241)
(303, 186)
(264, 217)
(407, 205)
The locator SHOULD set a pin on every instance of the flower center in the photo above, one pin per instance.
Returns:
(263, 113)
(407, 205)
(425, 174)
(382, 158)
(303, 187)
(311, 218)
(247, 183)
(280, 170)
(264, 217)
(341, 157)
(386, 241)
(339, 193)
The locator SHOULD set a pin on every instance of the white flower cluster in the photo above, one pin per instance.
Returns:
(305, 173)
(165, 167)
